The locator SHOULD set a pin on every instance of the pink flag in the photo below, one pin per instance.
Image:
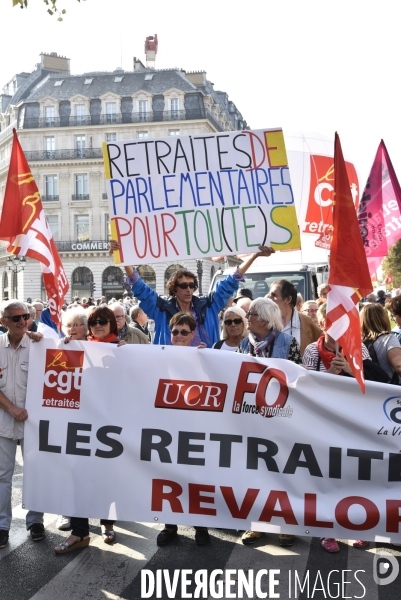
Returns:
(379, 212)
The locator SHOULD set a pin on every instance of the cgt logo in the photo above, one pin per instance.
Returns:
(191, 395)
(63, 374)
(392, 409)
(319, 215)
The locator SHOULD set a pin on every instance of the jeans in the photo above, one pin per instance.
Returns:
(80, 525)
(8, 450)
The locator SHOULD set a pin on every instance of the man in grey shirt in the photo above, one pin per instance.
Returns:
(14, 363)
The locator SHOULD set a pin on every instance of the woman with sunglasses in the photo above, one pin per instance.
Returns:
(102, 327)
(234, 329)
(182, 328)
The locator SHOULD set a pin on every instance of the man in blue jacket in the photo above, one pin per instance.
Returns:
(181, 287)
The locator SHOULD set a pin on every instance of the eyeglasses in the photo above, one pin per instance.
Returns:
(184, 286)
(231, 321)
(98, 322)
(17, 318)
(251, 314)
(183, 332)
(74, 325)
(311, 310)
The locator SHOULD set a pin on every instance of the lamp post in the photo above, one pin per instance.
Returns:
(199, 268)
(16, 263)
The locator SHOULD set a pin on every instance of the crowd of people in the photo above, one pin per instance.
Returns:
(279, 325)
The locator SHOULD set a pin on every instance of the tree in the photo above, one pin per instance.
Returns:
(52, 4)
(392, 263)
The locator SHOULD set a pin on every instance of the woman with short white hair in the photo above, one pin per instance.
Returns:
(234, 329)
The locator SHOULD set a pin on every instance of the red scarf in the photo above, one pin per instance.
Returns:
(111, 339)
(325, 355)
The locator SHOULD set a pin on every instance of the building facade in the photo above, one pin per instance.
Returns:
(62, 121)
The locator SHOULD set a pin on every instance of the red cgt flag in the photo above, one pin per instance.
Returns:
(23, 224)
(349, 278)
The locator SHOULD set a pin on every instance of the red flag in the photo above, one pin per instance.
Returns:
(388, 279)
(349, 278)
(23, 224)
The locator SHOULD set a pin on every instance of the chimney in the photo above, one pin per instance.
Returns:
(151, 51)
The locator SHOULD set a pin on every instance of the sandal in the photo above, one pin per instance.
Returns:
(109, 536)
(360, 544)
(66, 547)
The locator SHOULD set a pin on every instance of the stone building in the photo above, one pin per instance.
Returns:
(62, 120)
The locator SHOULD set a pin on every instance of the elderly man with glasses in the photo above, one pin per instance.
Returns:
(14, 362)
(126, 332)
(181, 287)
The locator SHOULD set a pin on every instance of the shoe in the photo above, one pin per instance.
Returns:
(63, 523)
(3, 538)
(250, 537)
(37, 532)
(360, 544)
(109, 536)
(66, 547)
(286, 540)
(202, 537)
(330, 545)
(166, 536)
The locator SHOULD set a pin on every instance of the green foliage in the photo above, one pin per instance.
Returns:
(52, 4)
(392, 263)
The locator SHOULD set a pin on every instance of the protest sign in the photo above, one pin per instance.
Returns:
(202, 437)
(203, 195)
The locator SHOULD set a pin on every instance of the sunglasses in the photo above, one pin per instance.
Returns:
(184, 286)
(98, 322)
(17, 318)
(231, 321)
(183, 332)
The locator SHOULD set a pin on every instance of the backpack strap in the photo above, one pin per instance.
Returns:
(218, 345)
(319, 362)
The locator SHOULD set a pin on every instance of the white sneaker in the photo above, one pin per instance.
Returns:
(63, 523)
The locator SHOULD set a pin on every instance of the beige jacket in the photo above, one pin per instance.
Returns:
(134, 336)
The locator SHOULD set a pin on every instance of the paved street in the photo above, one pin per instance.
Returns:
(31, 571)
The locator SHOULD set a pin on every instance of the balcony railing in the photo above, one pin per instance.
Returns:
(44, 155)
(135, 117)
(80, 197)
(50, 198)
(77, 246)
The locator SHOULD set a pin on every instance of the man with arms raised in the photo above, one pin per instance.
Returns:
(14, 362)
(181, 287)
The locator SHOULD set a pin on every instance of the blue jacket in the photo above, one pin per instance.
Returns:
(207, 309)
(281, 346)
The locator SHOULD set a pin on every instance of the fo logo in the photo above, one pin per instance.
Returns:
(191, 395)
(392, 409)
(63, 374)
(268, 390)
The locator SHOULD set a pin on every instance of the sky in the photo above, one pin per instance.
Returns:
(303, 65)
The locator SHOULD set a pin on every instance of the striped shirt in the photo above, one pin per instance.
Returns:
(311, 357)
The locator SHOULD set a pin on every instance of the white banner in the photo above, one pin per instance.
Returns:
(212, 438)
(203, 195)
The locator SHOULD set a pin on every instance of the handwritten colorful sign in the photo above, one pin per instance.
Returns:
(200, 195)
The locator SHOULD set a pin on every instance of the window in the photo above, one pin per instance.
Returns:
(111, 137)
(51, 188)
(174, 132)
(175, 108)
(143, 134)
(106, 226)
(149, 77)
(81, 280)
(118, 79)
(53, 226)
(58, 82)
(81, 187)
(80, 114)
(80, 144)
(111, 112)
(82, 228)
(148, 275)
(50, 116)
(50, 144)
(113, 277)
(88, 80)
(21, 118)
(143, 109)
